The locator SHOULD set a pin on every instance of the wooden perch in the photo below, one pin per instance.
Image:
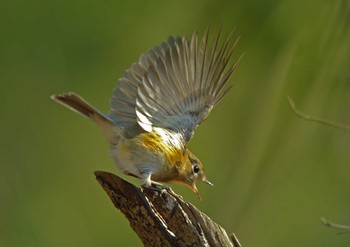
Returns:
(162, 218)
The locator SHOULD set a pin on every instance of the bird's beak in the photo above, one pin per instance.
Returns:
(193, 187)
(205, 180)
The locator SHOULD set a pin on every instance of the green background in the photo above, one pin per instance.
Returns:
(275, 175)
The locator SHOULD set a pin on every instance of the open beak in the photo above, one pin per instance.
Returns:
(207, 182)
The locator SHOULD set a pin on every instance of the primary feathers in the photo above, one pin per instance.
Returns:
(174, 86)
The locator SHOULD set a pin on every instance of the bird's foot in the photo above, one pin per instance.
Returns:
(158, 187)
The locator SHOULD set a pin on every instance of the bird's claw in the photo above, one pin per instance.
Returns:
(158, 187)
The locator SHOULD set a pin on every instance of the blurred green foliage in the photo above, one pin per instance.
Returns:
(275, 175)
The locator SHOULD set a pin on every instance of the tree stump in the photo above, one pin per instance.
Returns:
(162, 218)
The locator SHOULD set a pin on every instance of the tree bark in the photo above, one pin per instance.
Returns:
(161, 218)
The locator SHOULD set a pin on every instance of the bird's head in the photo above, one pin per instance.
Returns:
(190, 171)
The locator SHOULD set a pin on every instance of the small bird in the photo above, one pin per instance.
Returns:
(158, 104)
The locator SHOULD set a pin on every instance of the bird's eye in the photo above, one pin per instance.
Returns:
(195, 169)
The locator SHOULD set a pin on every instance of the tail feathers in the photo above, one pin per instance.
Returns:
(77, 104)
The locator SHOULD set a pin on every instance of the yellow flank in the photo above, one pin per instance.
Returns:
(153, 142)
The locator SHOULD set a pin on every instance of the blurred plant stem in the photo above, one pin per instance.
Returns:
(318, 120)
(344, 228)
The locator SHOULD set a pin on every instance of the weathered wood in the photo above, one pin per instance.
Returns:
(162, 218)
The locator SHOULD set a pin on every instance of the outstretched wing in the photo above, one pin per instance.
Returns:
(174, 86)
(180, 89)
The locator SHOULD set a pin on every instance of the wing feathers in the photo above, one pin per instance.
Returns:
(175, 85)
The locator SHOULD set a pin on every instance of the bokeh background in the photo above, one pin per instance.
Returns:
(275, 175)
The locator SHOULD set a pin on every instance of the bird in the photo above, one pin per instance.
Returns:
(157, 105)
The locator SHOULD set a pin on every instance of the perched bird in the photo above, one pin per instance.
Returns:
(158, 104)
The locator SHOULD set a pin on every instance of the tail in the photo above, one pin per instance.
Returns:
(77, 104)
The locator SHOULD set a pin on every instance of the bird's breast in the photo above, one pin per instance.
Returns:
(148, 153)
